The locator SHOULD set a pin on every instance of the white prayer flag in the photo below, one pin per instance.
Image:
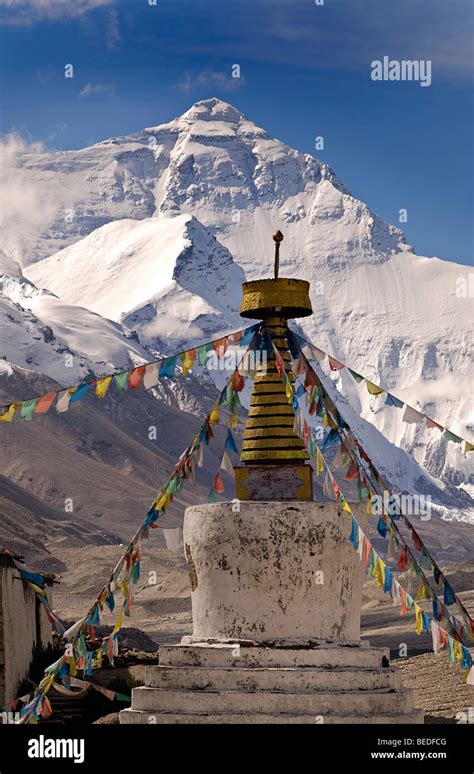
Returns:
(63, 401)
(173, 538)
(200, 457)
(226, 464)
(411, 416)
(316, 353)
(151, 375)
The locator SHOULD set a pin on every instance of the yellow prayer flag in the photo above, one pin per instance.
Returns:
(468, 446)
(162, 502)
(419, 619)
(457, 648)
(187, 360)
(214, 415)
(72, 666)
(102, 385)
(373, 388)
(233, 421)
(7, 415)
(421, 593)
(378, 571)
(346, 507)
(118, 624)
(319, 463)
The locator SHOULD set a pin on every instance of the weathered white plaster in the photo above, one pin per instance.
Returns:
(273, 572)
(18, 634)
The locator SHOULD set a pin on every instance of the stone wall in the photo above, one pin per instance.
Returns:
(19, 623)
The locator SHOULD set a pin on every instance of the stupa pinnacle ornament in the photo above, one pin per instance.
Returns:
(273, 458)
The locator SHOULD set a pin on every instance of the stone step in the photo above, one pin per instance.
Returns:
(131, 716)
(323, 703)
(290, 679)
(223, 655)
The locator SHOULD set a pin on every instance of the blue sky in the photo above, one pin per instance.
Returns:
(305, 72)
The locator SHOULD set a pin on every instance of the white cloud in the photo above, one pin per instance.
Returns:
(92, 89)
(210, 79)
(27, 12)
(29, 203)
(112, 32)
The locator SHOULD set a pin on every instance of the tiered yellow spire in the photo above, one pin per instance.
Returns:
(270, 443)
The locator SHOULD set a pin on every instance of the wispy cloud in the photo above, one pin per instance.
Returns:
(28, 12)
(209, 79)
(92, 89)
(337, 36)
(112, 30)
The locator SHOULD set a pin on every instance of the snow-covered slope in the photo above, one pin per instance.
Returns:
(391, 315)
(65, 341)
(166, 278)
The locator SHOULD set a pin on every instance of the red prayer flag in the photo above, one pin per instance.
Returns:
(402, 563)
(135, 377)
(220, 346)
(238, 382)
(218, 483)
(279, 365)
(310, 380)
(46, 709)
(403, 597)
(334, 364)
(306, 433)
(236, 337)
(352, 473)
(416, 540)
(44, 403)
(367, 550)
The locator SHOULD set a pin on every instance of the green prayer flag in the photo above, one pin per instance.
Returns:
(449, 436)
(121, 381)
(202, 354)
(28, 408)
(355, 375)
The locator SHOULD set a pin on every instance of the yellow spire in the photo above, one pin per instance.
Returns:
(269, 439)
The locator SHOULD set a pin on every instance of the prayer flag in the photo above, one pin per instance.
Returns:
(449, 436)
(391, 400)
(411, 416)
(355, 375)
(64, 396)
(102, 385)
(79, 392)
(28, 408)
(168, 367)
(121, 381)
(373, 388)
(135, 377)
(230, 443)
(44, 403)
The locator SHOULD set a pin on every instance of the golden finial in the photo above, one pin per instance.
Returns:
(277, 238)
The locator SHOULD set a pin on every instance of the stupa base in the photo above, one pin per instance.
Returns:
(233, 683)
(274, 482)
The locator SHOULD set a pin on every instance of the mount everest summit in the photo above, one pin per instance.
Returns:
(145, 240)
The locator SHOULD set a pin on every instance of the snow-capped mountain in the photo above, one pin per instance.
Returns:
(150, 230)
(67, 342)
(166, 278)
